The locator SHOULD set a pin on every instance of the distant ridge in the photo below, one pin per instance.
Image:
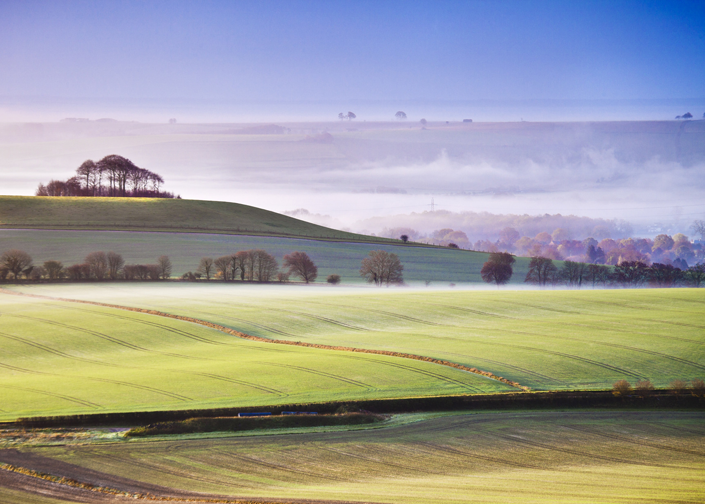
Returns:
(158, 214)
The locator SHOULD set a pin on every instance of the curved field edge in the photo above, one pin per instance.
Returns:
(526, 457)
(232, 332)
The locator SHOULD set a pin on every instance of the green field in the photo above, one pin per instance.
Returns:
(157, 214)
(523, 457)
(434, 264)
(547, 340)
(66, 358)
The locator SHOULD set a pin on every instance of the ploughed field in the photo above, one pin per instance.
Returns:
(62, 357)
(519, 457)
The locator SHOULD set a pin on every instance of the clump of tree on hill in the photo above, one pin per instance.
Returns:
(498, 269)
(382, 268)
(112, 176)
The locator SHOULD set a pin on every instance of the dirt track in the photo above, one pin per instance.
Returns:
(42, 476)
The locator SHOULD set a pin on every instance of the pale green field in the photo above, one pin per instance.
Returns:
(524, 457)
(547, 340)
(65, 358)
(435, 264)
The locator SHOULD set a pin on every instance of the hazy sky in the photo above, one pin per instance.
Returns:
(372, 50)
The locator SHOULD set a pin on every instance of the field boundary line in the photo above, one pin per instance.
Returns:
(233, 332)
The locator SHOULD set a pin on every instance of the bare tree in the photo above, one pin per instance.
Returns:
(54, 270)
(98, 263)
(574, 273)
(265, 266)
(301, 265)
(621, 388)
(644, 388)
(223, 265)
(15, 261)
(243, 262)
(541, 270)
(164, 265)
(206, 267)
(382, 268)
(115, 264)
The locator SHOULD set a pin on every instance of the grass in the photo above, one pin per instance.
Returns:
(435, 264)
(63, 358)
(529, 457)
(547, 340)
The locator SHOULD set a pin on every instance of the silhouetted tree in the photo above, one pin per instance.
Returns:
(541, 271)
(664, 275)
(404, 238)
(498, 269)
(164, 266)
(115, 264)
(400, 115)
(301, 265)
(351, 116)
(222, 266)
(574, 273)
(631, 273)
(54, 270)
(205, 267)
(333, 279)
(695, 275)
(98, 263)
(597, 273)
(382, 268)
(265, 266)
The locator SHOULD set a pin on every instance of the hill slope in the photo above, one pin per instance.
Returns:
(153, 214)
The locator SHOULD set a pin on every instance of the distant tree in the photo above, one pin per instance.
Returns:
(265, 266)
(301, 265)
(15, 261)
(423, 122)
(98, 262)
(621, 388)
(341, 116)
(400, 115)
(631, 273)
(498, 269)
(165, 267)
(333, 279)
(678, 387)
(404, 238)
(687, 115)
(223, 265)
(597, 273)
(41, 190)
(205, 267)
(78, 272)
(115, 264)
(452, 245)
(351, 116)
(541, 271)
(54, 269)
(382, 268)
(509, 235)
(698, 227)
(242, 262)
(559, 235)
(574, 273)
(55, 188)
(664, 242)
(695, 275)
(595, 255)
(543, 238)
(664, 275)
(697, 387)
(283, 276)
(643, 388)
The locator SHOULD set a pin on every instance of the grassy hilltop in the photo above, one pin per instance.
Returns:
(157, 214)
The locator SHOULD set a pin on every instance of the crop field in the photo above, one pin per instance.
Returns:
(546, 340)
(522, 457)
(434, 264)
(65, 358)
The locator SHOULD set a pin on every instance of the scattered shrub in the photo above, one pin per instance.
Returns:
(678, 387)
(621, 388)
(333, 279)
(698, 388)
(644, 387)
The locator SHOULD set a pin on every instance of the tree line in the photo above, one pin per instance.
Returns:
(379, 267)
(112, 176)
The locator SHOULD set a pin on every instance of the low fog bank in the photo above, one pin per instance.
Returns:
(632, 178)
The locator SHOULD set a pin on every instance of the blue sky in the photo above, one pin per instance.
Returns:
(366, 50)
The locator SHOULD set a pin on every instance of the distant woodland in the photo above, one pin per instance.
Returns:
(112, 176)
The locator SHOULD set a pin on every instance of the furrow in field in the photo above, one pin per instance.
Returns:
(255, 324)
(143, 387)
(72, 399)
(476, 312)
(419, 371)
(484, 458)
(517, 439)
(377, 461)
(23, 370)
(54, 351)
(400, 316)
(322, 373)
(639, 442)
(241, 382)
(511, 366)
(321, 319)
(279, 467)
